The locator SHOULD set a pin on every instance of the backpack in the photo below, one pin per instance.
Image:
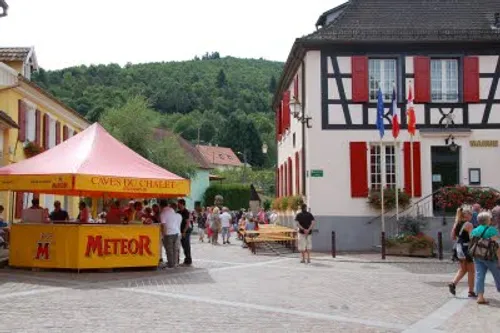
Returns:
(483, 248)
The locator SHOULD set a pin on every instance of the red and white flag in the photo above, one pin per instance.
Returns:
(410, 114)
(395, 114)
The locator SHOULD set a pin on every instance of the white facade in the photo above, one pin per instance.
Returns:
(327, 147)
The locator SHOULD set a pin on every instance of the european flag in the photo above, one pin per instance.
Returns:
(380, 113)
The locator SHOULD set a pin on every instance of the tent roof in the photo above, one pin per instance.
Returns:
(92, 153)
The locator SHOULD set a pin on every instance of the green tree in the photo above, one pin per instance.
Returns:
(273, 85)
(134, 124)
(221, 79)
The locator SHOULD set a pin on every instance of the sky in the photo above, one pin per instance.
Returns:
(70, 32)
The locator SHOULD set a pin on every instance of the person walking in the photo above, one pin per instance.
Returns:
(225, 220)
(486, 230)
(215, 225)
(186, 229)
(170, 226)
(305, 223)
(460, 233)
(495, 215)
(201, 220)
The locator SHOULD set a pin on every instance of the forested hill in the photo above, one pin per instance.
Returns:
(197, 94)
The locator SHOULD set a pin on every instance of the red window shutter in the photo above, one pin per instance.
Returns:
(471, 79)
(38, 125)
(297, 174)
(21, 120)
(359, 170)
(282, 183)
(18, 209)
(285, 180)
(296, 87)
(277, 182)
(417, 173)
(58, 132)
(290, 177)
(46, 126)
(359, 67)
(422, 69)
(65, 133)
(286, 110)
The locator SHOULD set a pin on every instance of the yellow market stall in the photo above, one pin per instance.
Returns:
(90, 164)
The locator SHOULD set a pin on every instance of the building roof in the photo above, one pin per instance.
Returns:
(192, 153)
(4, 117)
(409, 21)
(219, 156)
(396, 21)
(14, 53)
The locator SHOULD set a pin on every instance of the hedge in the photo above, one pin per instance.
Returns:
(236, 196)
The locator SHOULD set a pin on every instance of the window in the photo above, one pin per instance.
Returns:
(30, 121)
(294, 140)
(444, 80)
(27, 200)
(71, 132)
(382, 73)
(376, 172)
(52, 133)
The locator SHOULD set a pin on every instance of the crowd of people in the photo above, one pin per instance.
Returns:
(476, 237)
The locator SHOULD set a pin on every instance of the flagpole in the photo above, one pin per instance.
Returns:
(396, 174)
(411, 168)
(382, 201)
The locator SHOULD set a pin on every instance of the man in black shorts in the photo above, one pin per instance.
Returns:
(305, 223)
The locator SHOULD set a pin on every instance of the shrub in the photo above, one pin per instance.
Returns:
(295, 202)
(375, 199)
(284, 204)
(277, 204)
(451, 198)
(267, 204)
(236, 196)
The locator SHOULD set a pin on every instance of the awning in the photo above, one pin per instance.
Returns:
(93, 164)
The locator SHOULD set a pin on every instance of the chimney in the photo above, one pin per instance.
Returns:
(497, 21)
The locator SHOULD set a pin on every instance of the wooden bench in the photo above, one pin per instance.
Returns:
(283, 235)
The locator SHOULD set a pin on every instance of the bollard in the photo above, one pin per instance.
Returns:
(334, 245)
(440, 245)
(382, 241)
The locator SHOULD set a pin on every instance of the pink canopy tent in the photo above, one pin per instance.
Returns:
(92, 163)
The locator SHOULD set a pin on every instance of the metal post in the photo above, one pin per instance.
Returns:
(334, 245)
(440, 245)
(382, 240)
(245, 166)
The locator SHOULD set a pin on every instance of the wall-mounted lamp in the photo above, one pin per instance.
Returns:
(450, 142)
(296, 109)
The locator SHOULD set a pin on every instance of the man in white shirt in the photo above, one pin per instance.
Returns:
(170, 226)
(225, 219)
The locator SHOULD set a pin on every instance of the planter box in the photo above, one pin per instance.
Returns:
(406, 250)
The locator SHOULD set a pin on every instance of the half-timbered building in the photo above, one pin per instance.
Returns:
(445, 51)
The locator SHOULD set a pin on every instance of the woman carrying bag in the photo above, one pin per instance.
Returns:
(486, 253)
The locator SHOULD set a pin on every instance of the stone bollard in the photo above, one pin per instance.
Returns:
(334, 245)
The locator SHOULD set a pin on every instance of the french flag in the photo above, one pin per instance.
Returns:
(395, 114)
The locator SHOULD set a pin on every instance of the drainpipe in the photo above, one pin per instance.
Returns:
(303, 128)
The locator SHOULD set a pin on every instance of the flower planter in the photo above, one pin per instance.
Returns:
(407, 249)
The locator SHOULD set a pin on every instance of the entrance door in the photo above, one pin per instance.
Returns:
(445, 167)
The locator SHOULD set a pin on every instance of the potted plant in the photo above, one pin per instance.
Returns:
(31, 149)
(375, 199)
(450, 198)
(411, 240)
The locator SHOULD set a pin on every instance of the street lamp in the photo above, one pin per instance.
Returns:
(245, 162)
(4, 6)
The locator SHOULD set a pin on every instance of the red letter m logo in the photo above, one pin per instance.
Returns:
(43, 251)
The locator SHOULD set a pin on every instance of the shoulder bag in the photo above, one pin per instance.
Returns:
(483, 248)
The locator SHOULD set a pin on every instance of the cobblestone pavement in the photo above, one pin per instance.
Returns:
(230, 290)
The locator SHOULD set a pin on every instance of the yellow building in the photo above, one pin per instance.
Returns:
(31, 120)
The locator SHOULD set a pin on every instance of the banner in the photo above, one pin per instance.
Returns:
(84, 246)
(36, 183)
(131, 185)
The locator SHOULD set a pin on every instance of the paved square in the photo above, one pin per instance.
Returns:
(230, 290)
